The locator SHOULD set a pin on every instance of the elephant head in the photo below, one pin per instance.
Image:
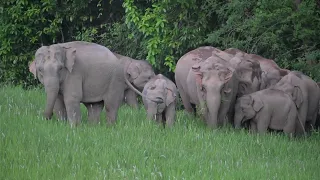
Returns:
(248, 73)
(138, 72)
(51, 65)
(213, 76)
(246, 108)
(292, 85)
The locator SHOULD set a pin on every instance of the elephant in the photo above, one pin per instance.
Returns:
(305, 94)
(160, 87)
(80, 72)
(249, 74)
(267, 109)
(216, 86)
(139, 72)
(182, 70)
(248, 70)
(271, 72)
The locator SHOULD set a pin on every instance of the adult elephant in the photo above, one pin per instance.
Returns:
(80, 72)
(305, 94)
(249, 73)
(216, 86)
(139, 72)
(271, 72)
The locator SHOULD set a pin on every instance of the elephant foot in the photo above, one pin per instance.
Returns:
(47, 116)
(74, 123)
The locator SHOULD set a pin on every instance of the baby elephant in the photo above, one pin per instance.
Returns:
(268, 108)
(164, 90)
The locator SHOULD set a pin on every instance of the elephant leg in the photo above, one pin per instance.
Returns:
(131, 98)
(60, 108)
(253, 127)
(292, 118)
(112, 102)
(170, 114)
(159, 118)
(73, 112)
(94, 111)
(185, 99)
(263, 124)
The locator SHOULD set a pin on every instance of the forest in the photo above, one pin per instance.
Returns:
(162, 31)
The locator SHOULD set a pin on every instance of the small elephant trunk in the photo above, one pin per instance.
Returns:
(237, 120)
(52, 90)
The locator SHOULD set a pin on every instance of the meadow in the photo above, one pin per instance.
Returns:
(136, 148)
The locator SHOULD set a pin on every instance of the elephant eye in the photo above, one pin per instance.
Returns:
(152, 87)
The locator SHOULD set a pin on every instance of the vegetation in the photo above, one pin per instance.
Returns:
(135, 148)
(161, 31)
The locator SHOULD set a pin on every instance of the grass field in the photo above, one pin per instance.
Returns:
(135, 148)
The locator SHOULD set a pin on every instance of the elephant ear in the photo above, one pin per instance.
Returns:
(70, 58)
(297, 95)
(134, 70)
(257, 104)
(171, 96)
(225, 76)
(33, 69)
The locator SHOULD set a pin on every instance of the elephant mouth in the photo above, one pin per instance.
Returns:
(199, 74)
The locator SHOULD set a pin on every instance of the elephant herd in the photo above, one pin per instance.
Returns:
(226, 87)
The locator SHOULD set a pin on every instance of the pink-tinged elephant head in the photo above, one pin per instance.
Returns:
(213, 76)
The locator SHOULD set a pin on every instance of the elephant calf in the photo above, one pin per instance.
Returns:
(164, 90)
(265, 109)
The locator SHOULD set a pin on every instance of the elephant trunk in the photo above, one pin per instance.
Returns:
(213, 105)
(238, 120)
(52, 90)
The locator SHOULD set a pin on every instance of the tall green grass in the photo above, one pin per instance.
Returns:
(136, 148)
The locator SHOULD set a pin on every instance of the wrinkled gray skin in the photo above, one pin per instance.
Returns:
(249, 74)
(305, 94)
(248, 70)
(80, 72)
(160, 87)
(216, 89)
(271, 72)
(139, 73)
(183, 67)
(267, 109)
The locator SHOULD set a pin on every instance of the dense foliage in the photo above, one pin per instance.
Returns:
(161, 31)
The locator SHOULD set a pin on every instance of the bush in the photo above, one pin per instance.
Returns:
(161, 31)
